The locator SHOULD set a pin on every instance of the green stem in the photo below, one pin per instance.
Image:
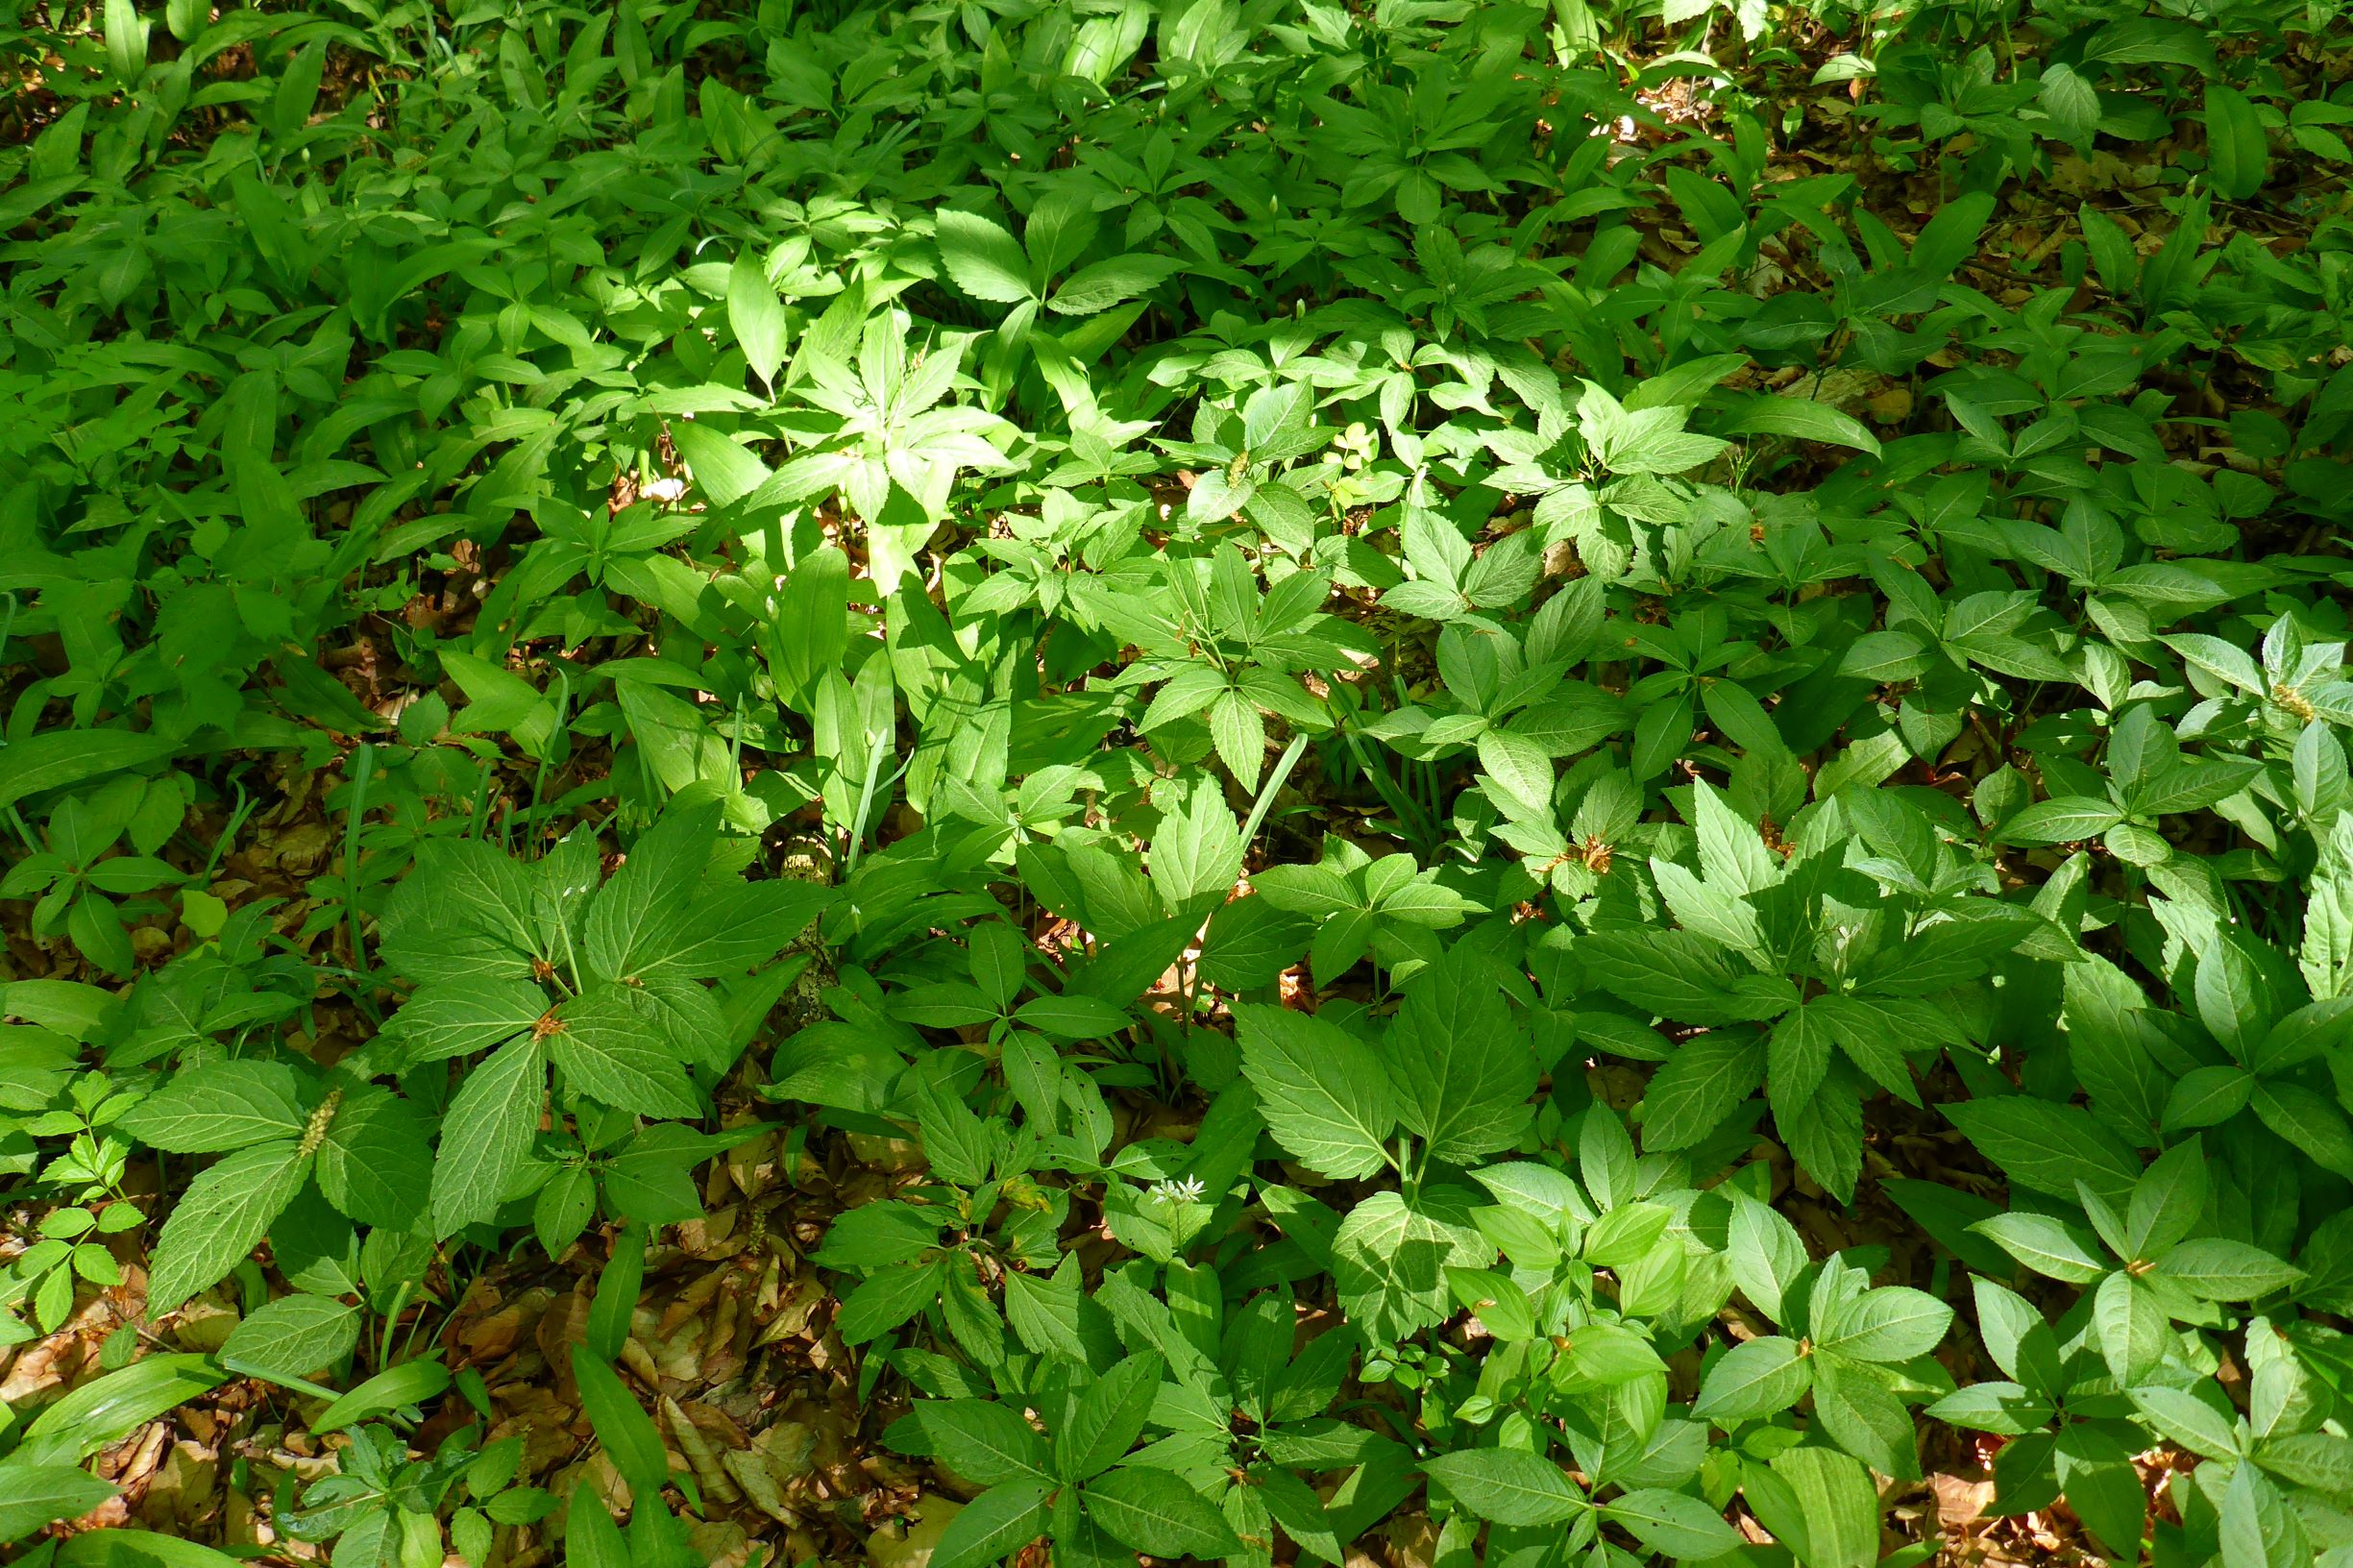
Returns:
(229, 833)
(482, 803)
(364, 770)
(563, 715)
(1275, 781)
(392, 1319)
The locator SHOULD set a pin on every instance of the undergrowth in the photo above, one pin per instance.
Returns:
(1247, 780)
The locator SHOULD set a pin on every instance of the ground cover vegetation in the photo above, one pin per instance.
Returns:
(1246, 780)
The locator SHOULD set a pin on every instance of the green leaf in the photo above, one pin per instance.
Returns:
(982, 258)
(1250, 944)
(811, 627)
(732, 928)
(887, 1300)
(1801, 419)
(1885, 657)
(1073, 1015)
(724, 470)
(1892, 1324)
(1672, 974)
(1325, 1096)
(2234, 999)
(2168, 1200)
(2047, 1147)
(109, 1407)
(636, 918)
(2308, 1120)
(1098, 287)
(33, 1495)
(1197, 852)
(1044, 1312)
(2004, 1407)
(2193, 1422)
(1153, 1511)
(1732, 854)
(1826, 1138)
(221, 1217)
(611, 1047)
(2308, 1032)
(756, 316)
(1642, 440)
(1755, 1378)
(1508, 1486)
(2061, 820)
(1110, 1417)
(2223, 660)
(591, 1537)
(621, 1424)
(1674, 1524)
(1699, 1087)
(945, 1005)
(993, 1527)
(1295, 1505)
(2214, 1269)
(1837, 1506)
(219, 1107)
(395, 1388)
(615, 1298)
(124, 1548)
(2310, 1458)
(985, 1441)
(2207, 1097)
(562, 1209)
(2238, 161)
(374, 1163)
(1462, 1069)
(2132, 1326)
(464, 1017)
(1951, 239)
(881, 1235)
(1625, 1236)
(56, 758)
(1864, 1417)
(486, 1135)
(1516, 769)
(1765, 1254)
(1874, 1031)
(1504, 1309)
(1389, 1259)
(464, 911)
(295, 1337)
(497, 701)
(2047, 1246)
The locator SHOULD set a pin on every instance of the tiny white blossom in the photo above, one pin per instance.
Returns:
(1172, 1192)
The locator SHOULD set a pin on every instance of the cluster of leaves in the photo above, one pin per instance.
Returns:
(1269, 626)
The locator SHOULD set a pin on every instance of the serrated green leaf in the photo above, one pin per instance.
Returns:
(1508, 1486)
(223, 1106)
(486, 1135)
(982, 258)
(221, 1217)
(1325, 1096)
(295, 1337)
(1153, 1511)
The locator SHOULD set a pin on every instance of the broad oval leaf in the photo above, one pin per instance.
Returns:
(294, 1336)
(1508, 1486)
(1154, 1512)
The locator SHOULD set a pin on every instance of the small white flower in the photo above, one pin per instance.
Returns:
(1172, 1192)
